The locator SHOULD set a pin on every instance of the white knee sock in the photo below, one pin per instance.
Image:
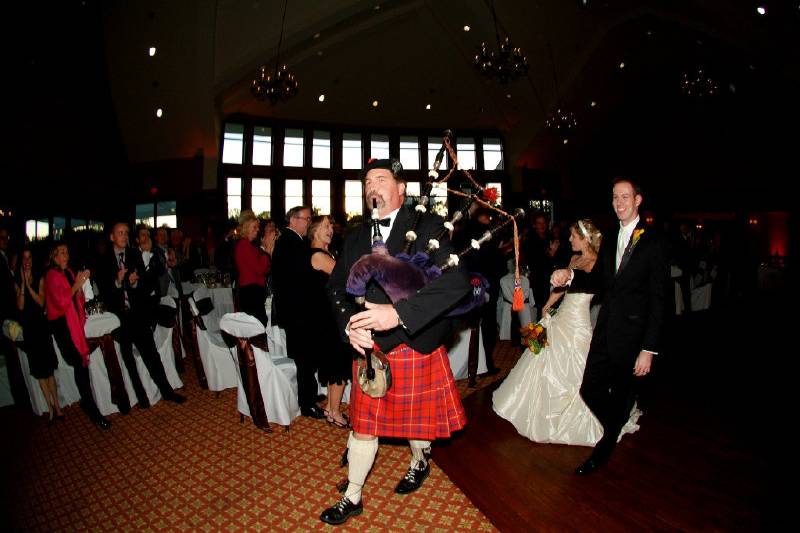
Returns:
(418, 449)
(360, 456)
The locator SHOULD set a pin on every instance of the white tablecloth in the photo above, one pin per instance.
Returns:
(458, 350)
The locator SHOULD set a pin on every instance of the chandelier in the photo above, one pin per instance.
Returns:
(698, 85)
(280, 84)
(562, 123)
(507, 63)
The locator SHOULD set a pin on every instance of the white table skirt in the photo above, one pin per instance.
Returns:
(458, 350)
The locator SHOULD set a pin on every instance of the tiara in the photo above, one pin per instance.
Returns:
(583, 229)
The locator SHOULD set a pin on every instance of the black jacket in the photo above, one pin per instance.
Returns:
(422, 313)
(634, 299)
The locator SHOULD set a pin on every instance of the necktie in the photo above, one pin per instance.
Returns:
(622, 242)
(124, 291)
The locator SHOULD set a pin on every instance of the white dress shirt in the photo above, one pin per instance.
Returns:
(623, 237)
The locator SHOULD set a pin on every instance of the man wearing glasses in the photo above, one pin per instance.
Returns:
(291, 273)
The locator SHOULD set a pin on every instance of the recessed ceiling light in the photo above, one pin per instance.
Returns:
(508, 95)
(466, 27)
(321, 98)
(377, 7)
(152, 51)
(319, 52)
(428, 106)
(622, 64)
(566, 141)
(374, 103)
(761, 10)
(593, 104)
(159, 112)
(316, 35)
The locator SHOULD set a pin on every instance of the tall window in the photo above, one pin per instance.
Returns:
(59, 225)
(233, 144)
(465, 151)
(96, 225)
(351, 150)
(261, 199)
(146, 214)
(37, 229)
(321, 196)
(499, 186)
(78, 224)
(293, 194)
(438, 201)
(321, 150)
(234, 192)
(353, 198)
(293, 148)
(409, 153)
(166, 214)
(434, 143)
(412, 189)
(262, 146)
(157, 214)
(379, 147)
(492, 154)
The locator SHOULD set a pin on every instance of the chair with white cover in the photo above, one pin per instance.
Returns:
(276, 336)
(168, 340)
(504, 304)
(215, 369)
(65, 376)
(267, 387)
(112, 388)
(459, 347)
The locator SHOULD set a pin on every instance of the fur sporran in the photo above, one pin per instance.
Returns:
(376, 387)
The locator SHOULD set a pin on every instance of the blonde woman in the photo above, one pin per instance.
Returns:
(252, 266)
(335, 360)
(541, 394)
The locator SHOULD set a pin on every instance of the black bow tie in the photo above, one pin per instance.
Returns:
(384, 221)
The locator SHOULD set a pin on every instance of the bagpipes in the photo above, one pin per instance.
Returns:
(402, 275)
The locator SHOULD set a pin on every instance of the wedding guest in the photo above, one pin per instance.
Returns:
(42, 358)
(336, 360)
(127, 290)
(291, 271)
(537, 253)
(253, 267)
(268, 236)
(224, 256)
(66, 318)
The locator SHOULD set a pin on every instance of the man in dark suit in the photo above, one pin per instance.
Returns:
(631, 277)
(127, 290)
(291, 274)
(422, 404)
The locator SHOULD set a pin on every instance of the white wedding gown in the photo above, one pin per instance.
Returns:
(541, 395)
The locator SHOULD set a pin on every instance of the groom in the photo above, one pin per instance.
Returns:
(631, 278)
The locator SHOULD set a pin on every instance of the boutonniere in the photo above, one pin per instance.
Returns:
(637, 234)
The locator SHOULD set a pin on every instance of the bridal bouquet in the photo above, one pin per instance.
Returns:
(534, 336)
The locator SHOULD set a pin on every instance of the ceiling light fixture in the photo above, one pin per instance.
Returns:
(561, 122)
(698, 84)
(428, 106)
(281, 84)
(321, 98)
(466, 27)
(152, 51)
(507, 64)
(374, 103)
(761, 10)
(159, 112)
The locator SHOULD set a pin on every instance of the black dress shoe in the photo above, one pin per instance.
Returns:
(589, 466)
(312, 412)
(102, 423)
(320, 398)
(124, 410)
(413, 478)
(144, 403)
(175, 397)
(339, 513)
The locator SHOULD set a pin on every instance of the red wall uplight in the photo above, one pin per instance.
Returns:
(776, 230)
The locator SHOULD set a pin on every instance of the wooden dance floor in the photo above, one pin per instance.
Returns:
(691, 466)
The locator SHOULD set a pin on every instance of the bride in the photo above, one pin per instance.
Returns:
(541, 396)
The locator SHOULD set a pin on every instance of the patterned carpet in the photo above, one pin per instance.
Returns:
(194, 467)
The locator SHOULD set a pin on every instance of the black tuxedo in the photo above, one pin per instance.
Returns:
(137, 317)
(425, 329)
(291, 279)
(630, 320)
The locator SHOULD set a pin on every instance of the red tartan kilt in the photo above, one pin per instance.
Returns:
(422, 403)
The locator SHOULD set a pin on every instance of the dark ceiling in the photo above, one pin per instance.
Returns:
(82, 91)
